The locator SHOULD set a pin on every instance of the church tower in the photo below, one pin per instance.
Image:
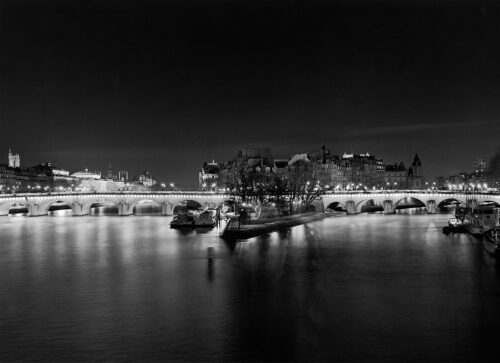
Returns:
(415, 178)
(416, 166)
(14, 160)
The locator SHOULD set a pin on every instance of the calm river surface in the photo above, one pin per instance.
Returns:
(366, 287)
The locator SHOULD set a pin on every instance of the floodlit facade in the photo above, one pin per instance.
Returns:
(347, 172)
(86, 174)
(14, 160)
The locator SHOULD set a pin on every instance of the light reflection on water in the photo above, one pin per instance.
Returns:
(368, 287)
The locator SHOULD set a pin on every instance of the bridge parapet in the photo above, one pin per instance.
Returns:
(81, 203)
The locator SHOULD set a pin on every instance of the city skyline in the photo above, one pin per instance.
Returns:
(164, 86)
(105, 172)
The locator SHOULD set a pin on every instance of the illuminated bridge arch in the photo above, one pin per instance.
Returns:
(399, 202)
(337, 206)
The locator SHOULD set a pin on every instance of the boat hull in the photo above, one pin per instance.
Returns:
(475, 231)
(204, 224)
(491, 248)
(182, 221)
(181, 225)
(204, 219)
(491, 243)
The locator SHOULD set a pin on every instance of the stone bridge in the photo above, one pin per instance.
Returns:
(81, 203)
(352, 202)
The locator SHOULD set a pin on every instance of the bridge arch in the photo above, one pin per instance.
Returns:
(17, 208)
(337, 206)
(489, 202)
(57, 205)
(156, 205)
(442, 203)
(421, 203)
(369, 202)
(97, 203)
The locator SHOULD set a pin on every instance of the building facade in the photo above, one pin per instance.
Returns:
(14, 160)
(333, 172)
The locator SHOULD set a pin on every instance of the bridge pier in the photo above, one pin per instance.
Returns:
(351, 207)
(431, 207)
(125, 209)
(77, 209)
(388, 207)
(318, 206)
(35, 210)
(472, 203)
(167, 208)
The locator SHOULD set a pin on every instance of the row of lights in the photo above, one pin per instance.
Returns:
(464, 186)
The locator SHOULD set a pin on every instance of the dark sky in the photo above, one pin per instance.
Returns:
(165, 85)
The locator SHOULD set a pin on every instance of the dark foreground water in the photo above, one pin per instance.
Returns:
(370, 288)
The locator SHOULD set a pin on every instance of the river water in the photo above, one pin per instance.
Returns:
(355, 288)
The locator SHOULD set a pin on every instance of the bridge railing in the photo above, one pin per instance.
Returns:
(166, 193)
(200, 193)
(408, 191)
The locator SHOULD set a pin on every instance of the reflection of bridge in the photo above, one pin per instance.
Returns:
(352, 202)
(81, 203)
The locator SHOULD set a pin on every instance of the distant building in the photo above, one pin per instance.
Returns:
(479, 166)
(415, 178)
(123, 175)
(146, 179)
(440, 182)
(110, 173)
(362, 171)
(47, 169)
(208, 177)
(86, 174)
(14, 160)
(349, 171)
(396, 176)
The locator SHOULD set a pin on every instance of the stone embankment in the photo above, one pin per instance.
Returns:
(234, 230)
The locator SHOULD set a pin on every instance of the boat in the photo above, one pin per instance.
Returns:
(482, 219)
(204, 219)
(491, 242)
(455, 225)
(182, 221)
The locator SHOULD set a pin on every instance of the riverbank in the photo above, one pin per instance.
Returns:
(259, 227)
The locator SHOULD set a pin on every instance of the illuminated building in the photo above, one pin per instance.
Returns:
(86, 174)
(14, 160)
(208, 176)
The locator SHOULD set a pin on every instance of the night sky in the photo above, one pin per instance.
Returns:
(165, 85)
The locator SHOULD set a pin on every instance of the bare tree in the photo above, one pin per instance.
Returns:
(304, 189)
(241, 183)
(279, 190)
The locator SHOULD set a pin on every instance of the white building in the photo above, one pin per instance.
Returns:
(86, 174)
(14, 160)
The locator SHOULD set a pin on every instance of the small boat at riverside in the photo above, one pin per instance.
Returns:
(491, 242)
(482, 219)
(455, 225)
(182, 221)
(204, 219)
